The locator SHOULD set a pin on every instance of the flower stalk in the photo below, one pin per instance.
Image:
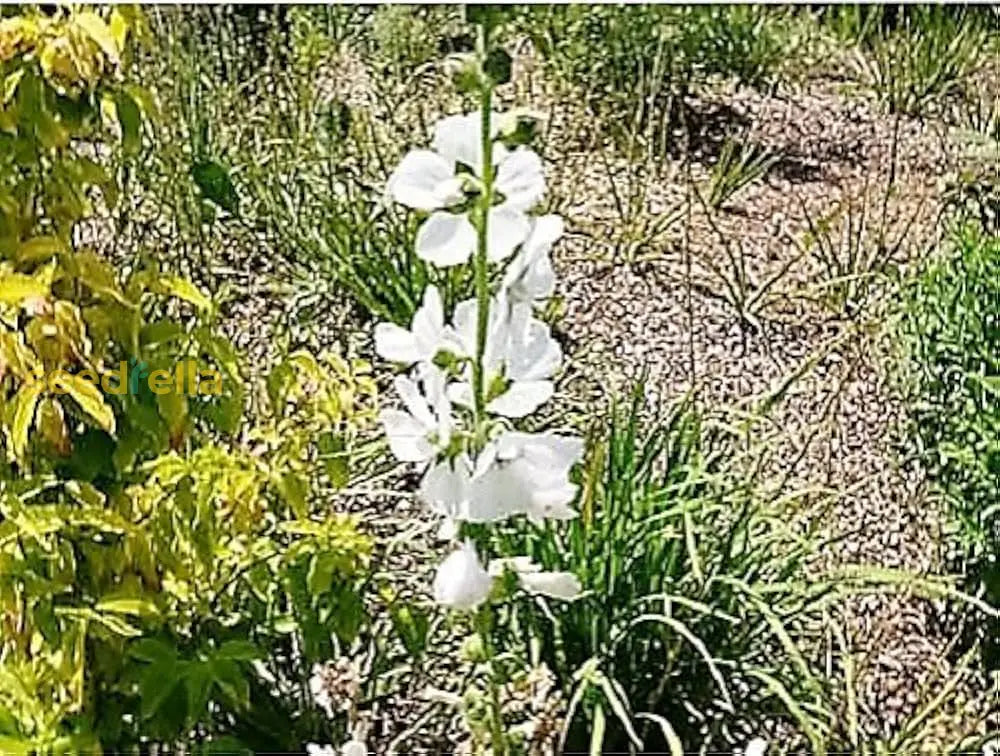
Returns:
(480, 260)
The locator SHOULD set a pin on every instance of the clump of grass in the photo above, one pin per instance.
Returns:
(736, 168)
(949, 331)
(916, 58)
(635, 64)
(692, 604)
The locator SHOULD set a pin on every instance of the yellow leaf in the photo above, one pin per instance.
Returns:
(184, 289)
(39, 248)
(119, 28)
(17, 287)
(25, 402)
(91, 401)
(98, 31)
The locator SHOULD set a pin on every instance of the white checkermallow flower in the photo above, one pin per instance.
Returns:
(530, 277)
(520, 357)
(312, 749)
(427, 335)
(424, 428)
(526, 473)
(429, 180)
(461, 581)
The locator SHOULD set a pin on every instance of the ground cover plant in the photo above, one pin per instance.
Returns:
(498, 379)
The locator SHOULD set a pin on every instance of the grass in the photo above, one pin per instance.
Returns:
(693, 597)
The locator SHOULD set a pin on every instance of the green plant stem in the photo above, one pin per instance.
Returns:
(480, 260)
(483, 627)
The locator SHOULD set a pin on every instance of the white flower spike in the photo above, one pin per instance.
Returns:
(461, 581)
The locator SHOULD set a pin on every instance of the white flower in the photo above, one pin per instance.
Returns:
(530, 277)
(525, 473)
(354, 748)
(317, 750)
(417, 434)
(461, 582)
(427, 334)
(756, 747)
(427, 180)
(559, 585)
(520, 353)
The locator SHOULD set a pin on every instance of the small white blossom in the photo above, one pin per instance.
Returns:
(530, 276)
(520, 354)
(560, 585)
(525, 473)
(756, 747)
(427, 180)
(420, 432)
(354, 748)
(312, 749)
(426, 337)
(461, 581)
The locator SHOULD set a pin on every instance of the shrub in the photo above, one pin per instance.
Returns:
(146, 556)
(686, 626)
(949, 330)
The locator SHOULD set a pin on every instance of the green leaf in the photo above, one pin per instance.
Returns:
(216, 186)
(40, 248)
(153, 650)
(133, 606)
(91, 401)
(17, 287)
(498, 66)
(130, 120)
(238, 650)
(412, 626)
(98, 31)
(181, 288)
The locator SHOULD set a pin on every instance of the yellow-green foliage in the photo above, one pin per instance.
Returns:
(146, 558)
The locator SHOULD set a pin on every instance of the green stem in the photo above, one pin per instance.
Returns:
(497, 735)
(480, 262)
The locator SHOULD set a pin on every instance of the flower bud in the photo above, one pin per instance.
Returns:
(461, 582)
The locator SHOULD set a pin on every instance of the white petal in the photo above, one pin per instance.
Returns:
(446, 239)
(756, 747)
(396, 344)
(461, 582)
(521, 399)
(414, 402)
(520, 179)
(354, 748)
(561, 585)
(424, 181)
(461, 393)
(428, 324)
(553, 503)
(506, 228)
(407, 438)
(458, 138)
(445, 487)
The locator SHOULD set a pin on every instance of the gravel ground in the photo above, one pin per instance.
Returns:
(668, 317)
